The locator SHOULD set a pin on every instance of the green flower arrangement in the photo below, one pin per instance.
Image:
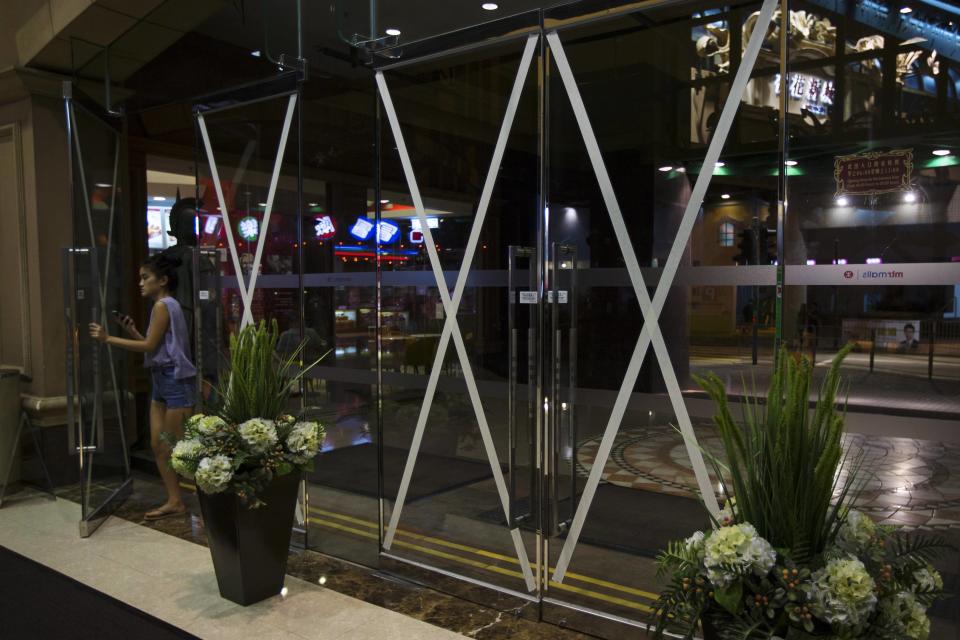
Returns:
(251, 441)
(789, 557)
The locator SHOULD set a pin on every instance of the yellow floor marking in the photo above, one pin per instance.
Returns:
(490, 554)
(488, 567)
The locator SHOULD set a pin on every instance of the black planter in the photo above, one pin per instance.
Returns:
(249, 546)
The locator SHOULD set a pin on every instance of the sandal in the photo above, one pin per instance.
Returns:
(160, 514)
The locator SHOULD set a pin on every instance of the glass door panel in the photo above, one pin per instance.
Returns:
(459, 261)
(97, 382)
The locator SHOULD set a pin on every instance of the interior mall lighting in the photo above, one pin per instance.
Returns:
(719, 164)
(490, 6)
(311, 204)
(393, 32)
(905, 10)
(941, 152)
(810, 263)
(725, 196)
(158, 198)
(261, 204)
(791, 163)
(665, 168)
(842, 201)
(874, 261)
(842, 261)
(255, 53)
(909, 196)
(103, 185)
(384, 202)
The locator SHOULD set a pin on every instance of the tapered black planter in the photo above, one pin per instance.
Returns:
(249, 546)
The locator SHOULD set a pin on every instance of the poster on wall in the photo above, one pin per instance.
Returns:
(902, 336)
(875, 172)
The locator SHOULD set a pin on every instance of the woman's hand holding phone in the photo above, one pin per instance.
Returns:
(126, 323)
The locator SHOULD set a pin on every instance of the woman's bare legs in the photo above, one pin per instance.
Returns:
(171, 421)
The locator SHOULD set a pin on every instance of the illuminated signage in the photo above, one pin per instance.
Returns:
(416, 237)
(325, 228)
(432, 223)
(361, 229)
(210, 226)
(248, 228)
(387, 232)
(816, 93)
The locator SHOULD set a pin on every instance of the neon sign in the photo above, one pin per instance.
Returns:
(325, 228)
(387, 232)
(249, 228)
(361, 229)
(416, 237)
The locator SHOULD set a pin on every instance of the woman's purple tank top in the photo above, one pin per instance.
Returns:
(173, 349)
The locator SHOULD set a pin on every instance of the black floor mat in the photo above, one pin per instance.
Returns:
(354, 469)
(38, 602)
(631, 520)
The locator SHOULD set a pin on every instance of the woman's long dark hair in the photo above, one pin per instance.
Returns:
(162, 264)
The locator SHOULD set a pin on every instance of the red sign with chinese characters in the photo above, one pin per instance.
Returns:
(874, 172)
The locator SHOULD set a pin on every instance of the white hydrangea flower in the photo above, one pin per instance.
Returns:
(209, 425)
(184, 456)
(856, 532)
(304, 441)
(694, 544)
(927, 579)
(843, 592)
(904, 613)
(214, 474)
(259, 434)
(735, 550)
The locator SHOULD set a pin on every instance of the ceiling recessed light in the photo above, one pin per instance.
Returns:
(719, 164)
(909, 196)
(665, 168)
(725, 196)
(490, 6)
(312, 204)
(941, 152)
(103, 185)
(255, 53)
(905, 10)
(842, 201)
(262, 204)
(158, 198)
(384, 202)
(393, 32)
(790, 163)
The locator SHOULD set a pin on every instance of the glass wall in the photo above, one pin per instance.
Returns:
(479, 221)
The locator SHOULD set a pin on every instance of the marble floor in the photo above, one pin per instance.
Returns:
(907, 482)
(172, 579)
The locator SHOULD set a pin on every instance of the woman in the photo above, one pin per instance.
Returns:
(173, 376)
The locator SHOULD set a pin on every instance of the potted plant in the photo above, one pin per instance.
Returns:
(788, 556)
(247, 462)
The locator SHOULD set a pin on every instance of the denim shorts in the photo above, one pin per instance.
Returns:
(173, 392)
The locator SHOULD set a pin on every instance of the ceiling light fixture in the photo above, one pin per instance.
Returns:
(941, 152)
(158, 198)
(842, 201)
(905, 10)
(725, 196)
(393, 32)
(719, 164)
(312, 204)
(255, 53)
(665, 168)
(791, 163)
(384, 202)
(909, 196)
(490, 6)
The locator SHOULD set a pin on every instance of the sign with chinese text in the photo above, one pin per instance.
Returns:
(325, 228)
(874, 172)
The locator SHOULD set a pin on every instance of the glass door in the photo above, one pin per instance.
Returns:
(98, 400)
(458, 246)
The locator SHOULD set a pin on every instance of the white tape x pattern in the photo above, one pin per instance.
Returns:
(247, 288)
(651, 334)
(451, 304)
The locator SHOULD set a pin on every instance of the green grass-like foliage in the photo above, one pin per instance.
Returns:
(782, 461)
(259, 382)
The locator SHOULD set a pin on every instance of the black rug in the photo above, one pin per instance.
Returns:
(37, 602)
(630, 520)
(354, 469)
